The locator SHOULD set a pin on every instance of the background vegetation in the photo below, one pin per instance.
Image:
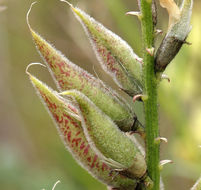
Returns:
(31, 153)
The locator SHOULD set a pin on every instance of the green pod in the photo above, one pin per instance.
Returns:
(67, 120)
(115, 55)
(113, 146)
(69, 76)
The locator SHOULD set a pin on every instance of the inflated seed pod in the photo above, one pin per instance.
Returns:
(115, 55)
(112, 145)
(65, 114)
(179, 28)
(69, 76)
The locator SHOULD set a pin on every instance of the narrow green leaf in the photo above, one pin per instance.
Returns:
(112, 145)
(69, 76)
(71, 132)
(115, 55)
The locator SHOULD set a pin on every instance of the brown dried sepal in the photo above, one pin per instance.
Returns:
(166, 52)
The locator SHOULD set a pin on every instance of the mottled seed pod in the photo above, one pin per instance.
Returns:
(69, 76)
(112, 145)
(115, 55)
(179, 28)
(65, 114)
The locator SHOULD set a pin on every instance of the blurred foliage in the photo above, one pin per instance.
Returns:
(31, 153)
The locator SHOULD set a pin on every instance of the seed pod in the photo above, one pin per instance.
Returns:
(69, 76)
(179, 28)
(197, 185)
(65, 115)
(115, 55)
(113, 146)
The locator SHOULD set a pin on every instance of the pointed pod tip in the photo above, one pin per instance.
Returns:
(35, 82)
(31, 64)
(64, 93)
(67, 3)
(67, 92)
(56, 184)
(28, 13)
(71, 6)
(72, 93)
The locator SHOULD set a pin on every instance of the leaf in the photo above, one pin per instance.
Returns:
(69, 76)
(115, 55)
(112, 145)
(71, 133)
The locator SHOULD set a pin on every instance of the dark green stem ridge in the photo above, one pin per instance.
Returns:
(150, 90)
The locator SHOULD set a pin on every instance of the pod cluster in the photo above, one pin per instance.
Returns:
(91, 118)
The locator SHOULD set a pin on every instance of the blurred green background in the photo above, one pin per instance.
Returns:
(31, 153)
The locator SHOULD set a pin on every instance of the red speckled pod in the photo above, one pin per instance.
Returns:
(69, 76)
(115, 55)
(65, 115)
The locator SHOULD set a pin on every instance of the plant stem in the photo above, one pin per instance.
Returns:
(150, 90)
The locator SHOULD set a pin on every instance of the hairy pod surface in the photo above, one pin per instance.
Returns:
(179, 28)
(115, 55)
(63, 112)
(69, 76)
(113, 146)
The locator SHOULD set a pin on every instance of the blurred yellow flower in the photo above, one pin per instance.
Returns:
(173, 11)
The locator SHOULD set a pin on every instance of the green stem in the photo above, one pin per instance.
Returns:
(150, 90)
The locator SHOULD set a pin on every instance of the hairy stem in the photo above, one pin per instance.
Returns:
(150, 90)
